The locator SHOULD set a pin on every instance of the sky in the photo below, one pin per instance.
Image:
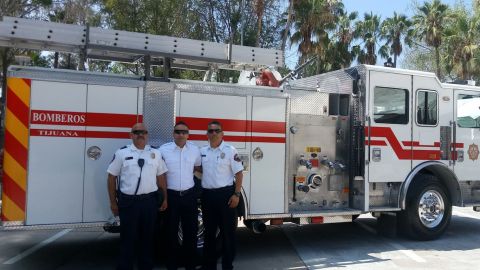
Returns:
(384, 8)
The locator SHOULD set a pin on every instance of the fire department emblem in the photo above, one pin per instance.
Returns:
(473, 151)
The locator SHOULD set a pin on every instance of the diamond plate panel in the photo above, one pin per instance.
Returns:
(308, 102)
(18, 225)
(159, 111)
(339, 81)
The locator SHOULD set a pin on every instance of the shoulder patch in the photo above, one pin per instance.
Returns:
(237, 158)
(124, 147)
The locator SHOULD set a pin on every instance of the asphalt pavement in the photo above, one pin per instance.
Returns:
(355, 245)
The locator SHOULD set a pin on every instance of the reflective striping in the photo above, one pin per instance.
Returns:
(14, 170)
(11, 211)
(14, 192)
(16, 128)
(16, 149)
(21, 88)
(17, 107)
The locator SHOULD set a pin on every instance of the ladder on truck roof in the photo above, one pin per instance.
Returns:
(131, 47)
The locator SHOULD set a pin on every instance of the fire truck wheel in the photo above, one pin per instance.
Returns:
(428, 209)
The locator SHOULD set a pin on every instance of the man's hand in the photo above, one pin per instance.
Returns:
(233, 202)
(114, 208)
(164, 206)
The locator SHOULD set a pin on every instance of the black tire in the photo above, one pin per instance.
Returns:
(429, 221)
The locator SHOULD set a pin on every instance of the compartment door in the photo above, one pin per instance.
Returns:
(267, 184)
(389, 136)
(109, 122)
(57, 143)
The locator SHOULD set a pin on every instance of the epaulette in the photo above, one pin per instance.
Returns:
(154, 147)
(124, 147)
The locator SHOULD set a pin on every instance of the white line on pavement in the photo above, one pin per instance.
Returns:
(407, 252)
(37, 247)
(460, 214)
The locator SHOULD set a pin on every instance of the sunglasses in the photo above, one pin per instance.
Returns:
(139, 132)
(211, 131)
(180, 131)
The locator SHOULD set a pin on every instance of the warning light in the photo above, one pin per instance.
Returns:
(316, 220)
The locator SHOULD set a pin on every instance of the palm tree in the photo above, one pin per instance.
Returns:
(462, 40)
(313, 21)
(340, 52)
(259, 9)
(429, 23)
(368, 31)
(394, 30)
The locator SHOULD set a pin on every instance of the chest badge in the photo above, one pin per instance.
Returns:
(152, 155)
(222, 155)
(473, 151)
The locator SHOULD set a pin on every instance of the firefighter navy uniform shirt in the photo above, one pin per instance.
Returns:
(180, 163)
(219, 165)
(125, 165)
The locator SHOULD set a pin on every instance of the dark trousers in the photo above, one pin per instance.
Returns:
(182, 208)
(218, 215)
(137, 224)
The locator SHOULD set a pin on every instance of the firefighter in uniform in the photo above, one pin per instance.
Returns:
(221, 183)
(181, 158)
(140, 171)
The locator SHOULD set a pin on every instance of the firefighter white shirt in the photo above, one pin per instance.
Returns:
(125, 164)
(180, 163)
(219, 165)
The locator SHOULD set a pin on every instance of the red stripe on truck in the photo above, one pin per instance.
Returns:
(199, 137)
(197, 123)
(65, 118)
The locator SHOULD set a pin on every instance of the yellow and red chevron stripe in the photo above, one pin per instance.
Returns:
(16, 149)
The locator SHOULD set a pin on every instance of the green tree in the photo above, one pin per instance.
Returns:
(368, 31)
(341, 55)
(429, 22)
(394, 31)
(462, 38)
(313, 22)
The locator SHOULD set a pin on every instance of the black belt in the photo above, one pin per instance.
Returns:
(138, 196)
(180, 192)
(219, 189)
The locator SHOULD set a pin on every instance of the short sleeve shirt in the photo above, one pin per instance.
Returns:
(125, 165)
(180, 163)
(219, 165)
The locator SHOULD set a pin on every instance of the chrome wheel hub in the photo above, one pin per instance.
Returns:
(431, 208)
